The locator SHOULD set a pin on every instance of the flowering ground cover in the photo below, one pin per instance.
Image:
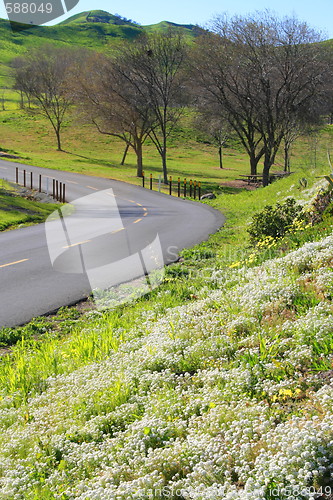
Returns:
(217, 386)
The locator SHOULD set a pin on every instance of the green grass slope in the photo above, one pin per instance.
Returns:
(95, 29)
(218, 385)
(16, 210)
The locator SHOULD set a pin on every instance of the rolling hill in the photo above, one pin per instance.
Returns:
(95, 29)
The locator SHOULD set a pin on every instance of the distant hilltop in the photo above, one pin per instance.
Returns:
(103, 17)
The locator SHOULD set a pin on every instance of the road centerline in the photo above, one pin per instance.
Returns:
(76, 244)
(13, 263)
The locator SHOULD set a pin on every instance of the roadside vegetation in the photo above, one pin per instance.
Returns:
(212, 386)
(17, 210)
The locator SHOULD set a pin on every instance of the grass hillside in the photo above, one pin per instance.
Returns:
(97, 16)
(95, 29)
(16, 210)
(217, 385)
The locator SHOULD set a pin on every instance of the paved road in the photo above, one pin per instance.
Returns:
(131, 219)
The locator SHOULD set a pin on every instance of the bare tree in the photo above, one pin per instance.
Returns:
(261, 69)
(220, 72)
(114, 104)
(215, 126)
(43, 77)
(290, 136)
(154, 66)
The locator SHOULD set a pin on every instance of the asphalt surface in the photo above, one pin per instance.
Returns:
(118, 233)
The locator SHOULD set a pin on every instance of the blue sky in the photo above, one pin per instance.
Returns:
(319, 14)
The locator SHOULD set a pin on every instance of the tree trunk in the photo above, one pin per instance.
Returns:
(139, 163)
(164, 165)
(164, 159)
(265, 172)
(286, 157)
(57, 131)
(221, 156)
(253, 164)
(124, 155)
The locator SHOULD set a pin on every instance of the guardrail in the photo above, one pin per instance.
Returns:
(52, 186)
(190, 189)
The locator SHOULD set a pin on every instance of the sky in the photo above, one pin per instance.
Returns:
(318, 14)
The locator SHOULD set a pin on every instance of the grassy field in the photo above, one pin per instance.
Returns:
(31, 138)
(16, 211)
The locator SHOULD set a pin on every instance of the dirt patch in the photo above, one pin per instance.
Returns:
(240, 185)
(224, 168)
(8, 155)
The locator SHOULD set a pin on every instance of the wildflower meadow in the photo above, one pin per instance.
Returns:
(227, 395)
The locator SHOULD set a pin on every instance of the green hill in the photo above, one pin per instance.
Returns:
(95, 29)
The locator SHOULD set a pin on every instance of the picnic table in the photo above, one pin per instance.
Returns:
(257, 178)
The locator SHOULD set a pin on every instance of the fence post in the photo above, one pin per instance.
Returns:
(31, 183)
(199, 186)
(24, 178)
(190, 188)
(57, 190)
(143, 179)
(40, 183)
(185, 188)
(60, 192)
(195, 189)
(151, 181)
(170, 185)
(17, 175)
(178, 187)
(53, 188)
(63, 193)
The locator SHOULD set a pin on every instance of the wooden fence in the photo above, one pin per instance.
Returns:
(52, 186)
(176, 187)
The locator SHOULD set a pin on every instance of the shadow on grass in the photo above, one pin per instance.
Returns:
(87, 159)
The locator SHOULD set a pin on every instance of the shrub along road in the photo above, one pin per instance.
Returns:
(32, 286)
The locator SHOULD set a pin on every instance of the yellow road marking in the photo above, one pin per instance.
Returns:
(71, 182)
(117, 231)
(4, 168)
(91, 187)
(75, 244)
(12, 263)
(146, 213)
(139, 204)
(138, 220)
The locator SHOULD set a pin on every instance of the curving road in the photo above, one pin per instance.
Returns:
(32, 285)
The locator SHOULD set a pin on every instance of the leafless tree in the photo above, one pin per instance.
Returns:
(215, 126)
(43, 76)
(261, 69)
(113, 103)
(154, 66)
